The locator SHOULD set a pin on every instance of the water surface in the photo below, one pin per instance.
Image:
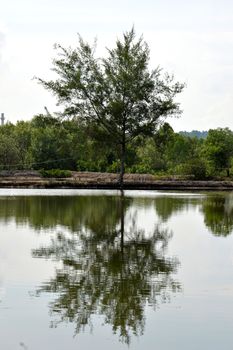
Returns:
(84, 269)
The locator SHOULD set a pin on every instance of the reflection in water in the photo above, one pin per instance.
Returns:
(109, 270)
(111, 263)
(108, 260)
(102, 213)
(218, 214)
(167, 206)
(73, 212)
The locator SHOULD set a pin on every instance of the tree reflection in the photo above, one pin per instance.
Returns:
(111, 268)
(218, 214)
(100, 215)
(166, 206)
(73, 212)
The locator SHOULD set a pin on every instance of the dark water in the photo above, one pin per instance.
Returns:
(92, 269)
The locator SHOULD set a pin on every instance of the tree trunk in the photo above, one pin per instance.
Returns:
(122, 221)
(122, 171)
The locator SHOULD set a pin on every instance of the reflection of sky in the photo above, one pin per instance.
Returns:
(14, 192)
(143, 218)
(16, 264)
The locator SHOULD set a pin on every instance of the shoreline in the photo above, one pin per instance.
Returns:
(87, 180)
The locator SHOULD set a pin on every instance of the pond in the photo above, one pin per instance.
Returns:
(84, 269)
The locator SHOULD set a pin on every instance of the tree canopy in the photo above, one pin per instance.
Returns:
(219, 148)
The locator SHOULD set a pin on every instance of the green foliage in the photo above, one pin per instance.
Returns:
(9, 152)
(218, 148)
(57, 173)
(195, 167)
(22, 135)
(180, 150)
(43, 121)
(54, 144)
(140, 169)
(43, 148)
(49, 143)
(114, 167)
(150, 158)
(163, 137)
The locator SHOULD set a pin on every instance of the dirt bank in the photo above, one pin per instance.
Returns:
(32, 179)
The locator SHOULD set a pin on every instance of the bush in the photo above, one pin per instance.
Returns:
(140, 169)
(114, 167)
(195, 167)
(57, 173)
(89, 165)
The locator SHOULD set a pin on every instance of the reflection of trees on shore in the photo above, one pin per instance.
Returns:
(102, 213)
(73, 212)
(114, 272)
(166, 206)
(218, 214)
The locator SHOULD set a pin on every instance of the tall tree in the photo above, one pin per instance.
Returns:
(118, 92)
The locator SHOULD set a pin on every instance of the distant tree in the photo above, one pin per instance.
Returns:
(118, 92)
(180, 150)
(22, 135)
(150, 159)
(43, 121)
(9, 153)
(51, 147)
(218, 148)
(163, 136)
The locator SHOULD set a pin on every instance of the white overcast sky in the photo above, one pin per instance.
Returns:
(191, 39)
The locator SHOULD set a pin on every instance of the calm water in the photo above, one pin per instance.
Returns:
(96, 270)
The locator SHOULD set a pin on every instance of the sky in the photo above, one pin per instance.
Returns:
(191, 39)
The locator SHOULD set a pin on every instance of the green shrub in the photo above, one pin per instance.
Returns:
(57, 173)
(89, 165)
(195, 167)
(114, 167)
(140, 169)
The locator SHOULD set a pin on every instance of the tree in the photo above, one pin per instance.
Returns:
(22, 135)
(9, 154)
(53, 143)
(181, 150)
(118, 92)
(218, 148)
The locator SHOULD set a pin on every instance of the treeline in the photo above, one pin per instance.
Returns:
(48, 143)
